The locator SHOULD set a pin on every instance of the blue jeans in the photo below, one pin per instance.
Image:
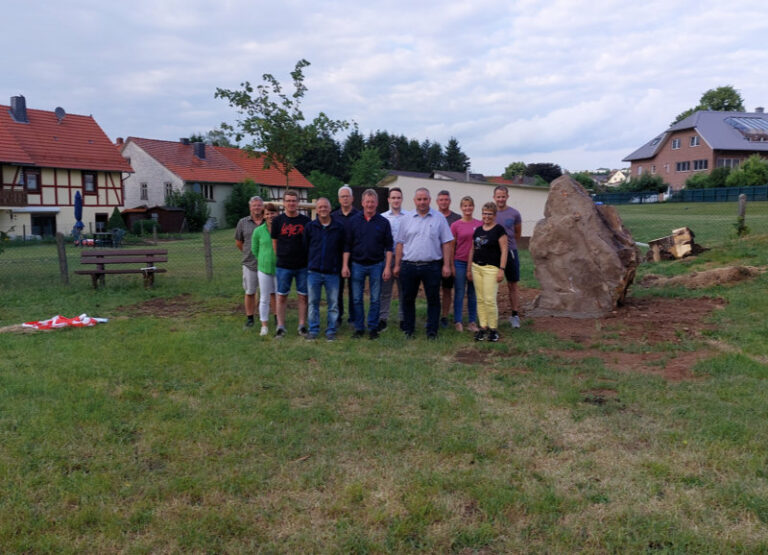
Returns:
(359, 273)
(284, 278)
(411, 275)
(458, 293)
(316, 281)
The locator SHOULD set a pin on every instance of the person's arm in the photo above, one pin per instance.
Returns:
(470, 256)
(503, 262)
(447, 259)
(387, 273)
(518, 231)
(255, 243)
(398, 259)
(345, 273)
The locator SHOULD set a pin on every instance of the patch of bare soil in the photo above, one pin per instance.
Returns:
(472, 356)
(640, 322)
(181, 306)
(706, 278)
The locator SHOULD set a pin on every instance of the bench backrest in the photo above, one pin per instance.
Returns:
(115, 256)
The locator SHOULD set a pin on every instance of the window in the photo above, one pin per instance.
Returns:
(143, 192)
(89, 182)
(168, 189)
(728, 162)
(695, 140)
(699, 165)
(653, 170)
(639, 170)
(666, 168)
(683, 167)
(675, 144)
(207, 191)
(32, 180)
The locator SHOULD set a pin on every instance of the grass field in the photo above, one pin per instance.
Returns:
(178, 431)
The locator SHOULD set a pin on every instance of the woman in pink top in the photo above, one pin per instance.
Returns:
(463, 230)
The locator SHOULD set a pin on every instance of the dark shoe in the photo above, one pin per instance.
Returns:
(493, 335)
(409, 335)
(330, 338)
(280, 333)
(402, 325)
(303, 331)
(358, 334)
(480, 335)
(443, 322)
(373, 334)
(431, 336)
(310, 337)
(249, 323)
(382, 325)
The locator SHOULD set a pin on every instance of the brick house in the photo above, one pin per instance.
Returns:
(164, 166)
(45, 158)
(701, 142)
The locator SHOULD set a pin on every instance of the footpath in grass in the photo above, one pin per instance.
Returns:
(173, 429)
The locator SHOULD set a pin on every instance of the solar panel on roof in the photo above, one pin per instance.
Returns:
(753, 128)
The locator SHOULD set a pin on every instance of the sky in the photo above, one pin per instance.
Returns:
(579, 84)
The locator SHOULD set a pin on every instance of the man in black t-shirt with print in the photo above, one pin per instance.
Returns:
(288, 242)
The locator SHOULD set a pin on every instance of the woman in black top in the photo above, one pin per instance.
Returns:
(489, 257)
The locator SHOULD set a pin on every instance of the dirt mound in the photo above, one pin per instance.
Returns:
(706, 278)
(644, 322)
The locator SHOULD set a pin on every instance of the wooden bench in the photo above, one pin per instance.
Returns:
(146, 258)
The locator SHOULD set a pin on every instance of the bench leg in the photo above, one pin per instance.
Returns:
(95, 280)
(149, 279)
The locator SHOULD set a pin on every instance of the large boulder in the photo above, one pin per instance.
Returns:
(584, 258)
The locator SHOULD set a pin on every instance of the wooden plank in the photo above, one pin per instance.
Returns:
(119, 271)
(127, 252)
(125, 260)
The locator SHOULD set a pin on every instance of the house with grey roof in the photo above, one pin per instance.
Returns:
(701, 142)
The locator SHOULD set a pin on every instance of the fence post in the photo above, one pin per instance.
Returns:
(63, 268)
(154, 233)
(742, 206)
(208, 255)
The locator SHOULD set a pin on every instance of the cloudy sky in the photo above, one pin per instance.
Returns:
(580, 84)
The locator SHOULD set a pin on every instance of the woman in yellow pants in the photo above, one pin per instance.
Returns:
(488, 254)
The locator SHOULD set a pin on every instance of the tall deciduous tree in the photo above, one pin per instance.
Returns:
(546, 170)
(274, 120)
(368, 170)
(721, 99)
(513, 170)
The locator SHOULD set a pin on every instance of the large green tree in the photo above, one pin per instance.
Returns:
(274, 121)
(368, 170)
(546, 170)
(513, 170)
(324, 186)
(753, 172)
(720, 99)
(237, 205)
(455, 159)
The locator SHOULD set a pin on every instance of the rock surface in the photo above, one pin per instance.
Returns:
(584, 257)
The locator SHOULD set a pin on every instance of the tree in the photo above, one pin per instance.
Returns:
(455, 159)
(116, 220)
(324, 186)
(368, 170)
(432, 154)
(751, 173)
(645, 183)
(515, 169)
(196, 210)
(721, 99)
(546, 170)
(324, 155)
(716, 178)
(275, 121)
(584, 179)
(236, 206)
(214, 137)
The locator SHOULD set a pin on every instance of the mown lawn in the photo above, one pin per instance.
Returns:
(187, 433)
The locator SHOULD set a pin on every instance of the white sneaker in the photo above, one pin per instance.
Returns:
(514, 321)
(264, 331)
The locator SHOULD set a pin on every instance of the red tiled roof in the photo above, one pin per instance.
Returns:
(76, 143)
(220, 165)
(253, 165)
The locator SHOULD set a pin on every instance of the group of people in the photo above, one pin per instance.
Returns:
(454, 256)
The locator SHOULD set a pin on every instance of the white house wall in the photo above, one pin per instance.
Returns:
(150, 171)
(529, 201)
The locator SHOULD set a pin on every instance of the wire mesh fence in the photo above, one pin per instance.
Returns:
(35, 263)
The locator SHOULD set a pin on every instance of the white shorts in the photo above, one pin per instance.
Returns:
(250, 281)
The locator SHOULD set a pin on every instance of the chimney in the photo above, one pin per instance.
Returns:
(199, 149)
(19, 109)
(759, 110)
(119, 141)
(184, 141)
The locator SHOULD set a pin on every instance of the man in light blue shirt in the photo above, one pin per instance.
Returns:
(395, 214)
(422, 255)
